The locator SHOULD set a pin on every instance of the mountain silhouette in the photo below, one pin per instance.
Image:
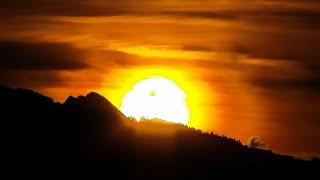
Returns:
(89, 137)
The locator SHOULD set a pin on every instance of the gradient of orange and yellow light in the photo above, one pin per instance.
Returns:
(245, 75)
(197, 92)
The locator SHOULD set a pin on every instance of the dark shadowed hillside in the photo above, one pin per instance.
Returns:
(88, 137)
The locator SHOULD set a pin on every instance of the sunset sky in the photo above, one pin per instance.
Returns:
(248, 67)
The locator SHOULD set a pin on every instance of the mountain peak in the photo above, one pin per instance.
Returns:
(92, 96)
(95, 96)
(69, 100)
(97, 106)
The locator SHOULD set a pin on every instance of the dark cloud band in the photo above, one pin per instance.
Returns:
(41, 56)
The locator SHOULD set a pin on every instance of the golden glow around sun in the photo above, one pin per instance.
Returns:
(198, 92)
(156, 97)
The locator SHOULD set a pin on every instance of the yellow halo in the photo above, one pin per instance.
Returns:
(156, 97)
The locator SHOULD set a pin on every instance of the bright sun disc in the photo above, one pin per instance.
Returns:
(156, 97)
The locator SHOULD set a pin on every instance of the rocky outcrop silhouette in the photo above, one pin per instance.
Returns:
(88, 137)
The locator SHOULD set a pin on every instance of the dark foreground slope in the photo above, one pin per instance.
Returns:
(88, 137)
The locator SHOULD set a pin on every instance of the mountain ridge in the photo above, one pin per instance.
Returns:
(87, 134)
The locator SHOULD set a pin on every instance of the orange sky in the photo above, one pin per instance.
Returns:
(249, 68)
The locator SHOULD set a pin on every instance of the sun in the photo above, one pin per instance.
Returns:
(156, 97)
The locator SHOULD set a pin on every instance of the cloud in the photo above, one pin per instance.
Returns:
(286, 47)
(68, 8)
(45, 65)
(113, 58)
(289, 84)
(196, 48)
(257, 143)
(48, 7)
(103, 8)
(32, 79)
(228, 10)
(201, 14)
(43, 79)
(41, 56)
